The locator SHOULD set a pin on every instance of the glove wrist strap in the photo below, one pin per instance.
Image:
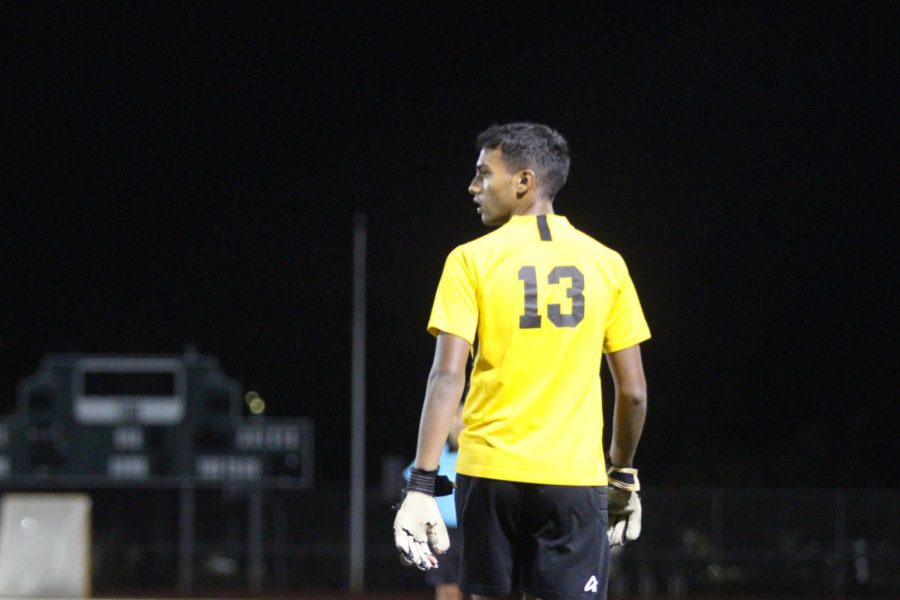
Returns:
(624, 478)
(421, 481)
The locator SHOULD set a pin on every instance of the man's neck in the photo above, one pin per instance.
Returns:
(537, 206)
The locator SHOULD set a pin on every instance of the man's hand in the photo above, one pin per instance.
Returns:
(624, 512)
(419, 528)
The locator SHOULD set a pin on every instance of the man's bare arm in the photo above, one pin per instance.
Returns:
(631, 404)
(446, 383)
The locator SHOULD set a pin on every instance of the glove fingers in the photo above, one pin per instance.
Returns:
(421, 556)
(438, 537)
(617, 529)
(416, 553)
(413, 551)
(633, 528)
(620, 529)
(418, 523)
(624, 516)
(403, 541)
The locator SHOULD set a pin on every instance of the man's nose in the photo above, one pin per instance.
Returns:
(473, 188)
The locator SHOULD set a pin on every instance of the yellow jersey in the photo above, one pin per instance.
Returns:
(543, 300)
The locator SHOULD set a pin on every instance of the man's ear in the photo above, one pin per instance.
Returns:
(525, 181)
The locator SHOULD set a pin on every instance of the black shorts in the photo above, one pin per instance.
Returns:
(548, 541)
(448, 563)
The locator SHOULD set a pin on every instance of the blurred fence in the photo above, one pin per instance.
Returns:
(793, 543)
(712, 542)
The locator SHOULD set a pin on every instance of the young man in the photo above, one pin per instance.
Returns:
(544, 302)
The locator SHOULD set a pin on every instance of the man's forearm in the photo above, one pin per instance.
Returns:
(628, 423)
(442, 397)
(630, 409)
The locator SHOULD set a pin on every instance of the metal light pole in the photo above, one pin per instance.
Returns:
(357, 548)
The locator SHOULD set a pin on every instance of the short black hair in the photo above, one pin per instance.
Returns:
(531, 146)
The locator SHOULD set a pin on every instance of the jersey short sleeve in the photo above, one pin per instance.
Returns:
(626, 325)
(455, 308)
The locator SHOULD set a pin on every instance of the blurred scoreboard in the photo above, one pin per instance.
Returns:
(144, 417)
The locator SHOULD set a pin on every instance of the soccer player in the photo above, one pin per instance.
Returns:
(542, 302)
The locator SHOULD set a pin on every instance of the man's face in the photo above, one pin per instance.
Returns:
(493, 188)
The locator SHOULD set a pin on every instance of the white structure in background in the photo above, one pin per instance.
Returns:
(45, 546)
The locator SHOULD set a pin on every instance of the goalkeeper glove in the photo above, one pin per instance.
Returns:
(418, 526)
(624, 511)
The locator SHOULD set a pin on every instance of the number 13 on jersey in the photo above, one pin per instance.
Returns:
(531, 319)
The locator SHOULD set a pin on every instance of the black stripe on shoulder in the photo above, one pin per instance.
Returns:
(544, 229)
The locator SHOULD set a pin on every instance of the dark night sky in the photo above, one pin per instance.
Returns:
(188, 173)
